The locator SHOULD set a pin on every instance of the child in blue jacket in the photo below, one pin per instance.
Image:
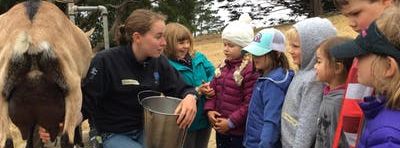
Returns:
(264, 115)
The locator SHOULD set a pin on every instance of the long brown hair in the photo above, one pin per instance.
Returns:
(139, 21)
(278, 59)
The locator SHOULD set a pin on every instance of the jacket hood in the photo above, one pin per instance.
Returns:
(281, 77)
(312, 32)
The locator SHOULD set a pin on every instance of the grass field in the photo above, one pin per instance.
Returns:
(212, 47)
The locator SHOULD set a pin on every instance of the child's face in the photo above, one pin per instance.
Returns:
(295, 51)
(261, 63)
(322, 68)
(231, 50)
(364, 73)
(182, 49)
(361, 13)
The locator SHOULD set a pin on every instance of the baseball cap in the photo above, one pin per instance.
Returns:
(368, 41)
(266, 41)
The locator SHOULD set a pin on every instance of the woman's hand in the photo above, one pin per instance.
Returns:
(45, 135)
(187, 111)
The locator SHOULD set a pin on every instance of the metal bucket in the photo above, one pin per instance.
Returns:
(160, 127)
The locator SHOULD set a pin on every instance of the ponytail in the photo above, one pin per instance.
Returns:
(139, 21)
(120, 35)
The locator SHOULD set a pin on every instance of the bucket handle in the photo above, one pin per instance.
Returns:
(147, 91)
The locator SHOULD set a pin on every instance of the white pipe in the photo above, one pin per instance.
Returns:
(71, 12)
(72, 9)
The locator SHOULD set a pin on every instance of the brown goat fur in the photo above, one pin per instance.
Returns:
(43, 56)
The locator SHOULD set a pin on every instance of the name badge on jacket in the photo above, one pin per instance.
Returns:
(129, 82)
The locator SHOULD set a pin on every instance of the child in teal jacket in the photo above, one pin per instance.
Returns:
(197, 71)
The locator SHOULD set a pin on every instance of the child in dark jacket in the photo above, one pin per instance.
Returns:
(333, 72)
(264, 117)
(378, 53)
(232, 85)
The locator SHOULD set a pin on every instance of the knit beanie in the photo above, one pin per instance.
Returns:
(240, 31)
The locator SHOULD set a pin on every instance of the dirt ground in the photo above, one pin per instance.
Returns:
(211, 46)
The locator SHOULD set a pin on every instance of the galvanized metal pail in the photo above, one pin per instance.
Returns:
(160, 127)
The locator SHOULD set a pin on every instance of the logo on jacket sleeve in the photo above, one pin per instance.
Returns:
(156, 77)
(92, 73)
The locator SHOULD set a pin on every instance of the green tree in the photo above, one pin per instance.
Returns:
(118, 11)
(206, 20)
(262, 8)
(197, 15)
(181, 11)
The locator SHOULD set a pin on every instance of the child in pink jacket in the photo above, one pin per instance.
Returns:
(232, 87)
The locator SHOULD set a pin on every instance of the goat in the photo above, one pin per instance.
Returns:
(43, 58)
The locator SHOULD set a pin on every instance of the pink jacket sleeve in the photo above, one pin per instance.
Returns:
(210, 102)
(249, 79)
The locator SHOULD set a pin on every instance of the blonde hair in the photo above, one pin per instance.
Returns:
(389, 27)
(292, 35)
(386, 86)
(237, 76)
(174, 33)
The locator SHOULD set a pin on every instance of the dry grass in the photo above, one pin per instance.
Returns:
(211, 46)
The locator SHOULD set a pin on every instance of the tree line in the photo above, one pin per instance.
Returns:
(198, 15)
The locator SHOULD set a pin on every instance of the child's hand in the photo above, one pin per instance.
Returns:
(221, 126)
(212, 117)
(207, 90)
(203, 88)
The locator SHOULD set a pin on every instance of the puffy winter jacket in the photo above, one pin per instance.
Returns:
(231, 100)
(382, 128)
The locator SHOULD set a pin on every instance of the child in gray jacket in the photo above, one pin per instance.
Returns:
(333, 72)
(303, 98)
